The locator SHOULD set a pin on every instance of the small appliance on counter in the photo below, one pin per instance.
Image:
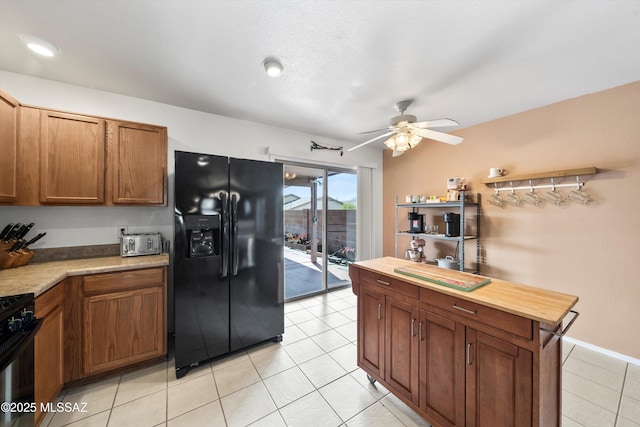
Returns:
(416, 222)
(416, 253)
(452, 224)
(140, 244)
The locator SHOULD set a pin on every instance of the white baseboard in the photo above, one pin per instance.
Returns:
(604, 351)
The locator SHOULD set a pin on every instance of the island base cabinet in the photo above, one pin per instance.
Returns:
(371, 331)
(499, 382)
(442, 369)
(454, 362)
(401, 349)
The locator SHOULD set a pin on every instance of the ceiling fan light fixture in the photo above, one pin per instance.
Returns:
(273, 67)
(391, 143)
(414, 140)
(400, 141)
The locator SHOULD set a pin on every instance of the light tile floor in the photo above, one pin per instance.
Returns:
(311, 379)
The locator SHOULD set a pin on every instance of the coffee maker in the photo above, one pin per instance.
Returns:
(452, 224)
(416, 222)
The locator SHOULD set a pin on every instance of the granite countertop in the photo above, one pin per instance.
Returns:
(37, 278)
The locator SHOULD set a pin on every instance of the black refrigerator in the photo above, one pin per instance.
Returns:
(228, 256)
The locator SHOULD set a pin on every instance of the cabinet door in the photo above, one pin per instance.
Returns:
(122, 328)
(442, 368)
(138, 159)
(49, 348)
(9, 109)
(72, 158)
(401, 352)
(371, 330)
(499, 382)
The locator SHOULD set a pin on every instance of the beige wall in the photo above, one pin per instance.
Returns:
(592, 252)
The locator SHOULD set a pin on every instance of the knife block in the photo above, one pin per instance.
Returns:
(13, 259)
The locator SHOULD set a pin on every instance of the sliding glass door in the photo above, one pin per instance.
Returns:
(320, 228)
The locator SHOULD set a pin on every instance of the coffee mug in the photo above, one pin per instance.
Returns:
(495, 172)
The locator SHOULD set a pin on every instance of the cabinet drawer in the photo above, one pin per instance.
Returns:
(389, 283)
(122, 280)
(499, 319)
(48, 301)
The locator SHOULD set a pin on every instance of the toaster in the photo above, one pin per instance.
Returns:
(140, 244)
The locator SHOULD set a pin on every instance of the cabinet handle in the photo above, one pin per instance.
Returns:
(382, 282)
(420, 331)
(413, 321)
(379, 311)
(457, 307)
(468, 353)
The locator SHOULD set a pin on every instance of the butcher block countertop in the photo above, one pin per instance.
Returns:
(537, 304)
(39, 277)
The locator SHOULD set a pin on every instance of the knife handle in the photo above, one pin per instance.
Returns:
(6, 230)
(24, 230)
(12, 232)
(16, 246)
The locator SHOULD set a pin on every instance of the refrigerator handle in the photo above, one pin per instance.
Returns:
(234, 224)
(224, 265)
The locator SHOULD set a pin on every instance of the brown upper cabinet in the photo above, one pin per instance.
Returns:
(138, 155)
(9, 112)
(61, 158)
(72, 158)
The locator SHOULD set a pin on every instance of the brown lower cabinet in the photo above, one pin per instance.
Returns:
(49, 348)
(97, 324)
(452, 361)
(116, 320)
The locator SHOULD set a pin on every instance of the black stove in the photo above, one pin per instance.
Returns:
(13, 303)
(16, 319)
(18, 327)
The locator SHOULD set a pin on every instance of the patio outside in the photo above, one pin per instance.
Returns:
(304, 277)
(304, 225)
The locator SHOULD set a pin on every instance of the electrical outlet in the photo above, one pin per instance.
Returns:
(122, 229)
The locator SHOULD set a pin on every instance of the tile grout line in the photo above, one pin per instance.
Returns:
(115, 395)
(624, 380)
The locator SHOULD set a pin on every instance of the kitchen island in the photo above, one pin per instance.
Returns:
(487, 357)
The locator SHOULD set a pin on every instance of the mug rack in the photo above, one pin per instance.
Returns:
(558, 199)
(541, 175)
(532, 187)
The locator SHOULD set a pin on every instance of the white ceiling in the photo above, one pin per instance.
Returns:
(346, 62)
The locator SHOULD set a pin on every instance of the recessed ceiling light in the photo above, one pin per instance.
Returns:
(273, 67)
(39, 46)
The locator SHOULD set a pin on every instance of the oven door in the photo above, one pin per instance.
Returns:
(17, 379)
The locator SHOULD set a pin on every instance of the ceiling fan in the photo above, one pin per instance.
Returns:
(405, 133)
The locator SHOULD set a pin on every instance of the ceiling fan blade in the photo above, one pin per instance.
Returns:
(437, 136)
(436, 123)
(372, 131)
(373, 139)
(398, 153)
